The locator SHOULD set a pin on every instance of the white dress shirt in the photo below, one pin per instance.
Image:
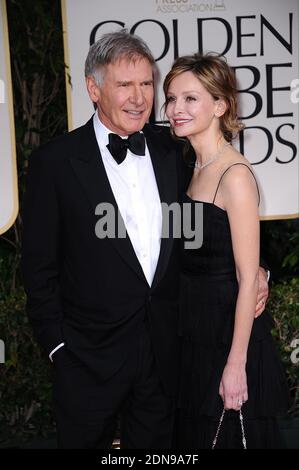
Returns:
(134, 186)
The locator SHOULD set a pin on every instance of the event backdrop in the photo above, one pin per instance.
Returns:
(8, 172)
(259, 39)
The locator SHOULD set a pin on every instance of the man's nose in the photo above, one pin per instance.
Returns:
(137, 96)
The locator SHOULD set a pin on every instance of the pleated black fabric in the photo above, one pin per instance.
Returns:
(207, 310)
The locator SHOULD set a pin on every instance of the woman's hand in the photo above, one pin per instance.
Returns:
(233, 386)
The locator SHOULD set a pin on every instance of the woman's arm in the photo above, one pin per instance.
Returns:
(240, 197)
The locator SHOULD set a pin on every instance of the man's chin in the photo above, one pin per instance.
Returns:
(135, 126)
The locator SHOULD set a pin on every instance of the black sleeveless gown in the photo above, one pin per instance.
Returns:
(208, 297)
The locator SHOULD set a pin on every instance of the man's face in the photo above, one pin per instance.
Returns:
(125, 98)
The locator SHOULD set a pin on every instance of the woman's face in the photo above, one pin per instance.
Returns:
(190, 108)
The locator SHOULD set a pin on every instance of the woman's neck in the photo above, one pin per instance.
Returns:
(207, 147)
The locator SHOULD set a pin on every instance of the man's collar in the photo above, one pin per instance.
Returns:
(101, 131)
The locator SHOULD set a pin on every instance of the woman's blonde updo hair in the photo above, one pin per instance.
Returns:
(219, 80)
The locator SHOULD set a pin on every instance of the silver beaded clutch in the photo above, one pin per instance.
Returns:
(242, 429)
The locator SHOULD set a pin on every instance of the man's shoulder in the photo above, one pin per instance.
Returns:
(64, 145)
(158, 129)
(161, 133)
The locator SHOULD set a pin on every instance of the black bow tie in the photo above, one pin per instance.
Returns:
(118, 146)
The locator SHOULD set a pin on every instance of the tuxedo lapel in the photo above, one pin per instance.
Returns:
(164, 163)
(88, 166)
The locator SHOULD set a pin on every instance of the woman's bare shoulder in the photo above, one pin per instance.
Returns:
(234, 156)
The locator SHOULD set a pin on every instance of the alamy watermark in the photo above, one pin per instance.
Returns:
(178, 220)
(295, 91)
(2, 351)
(295, 353)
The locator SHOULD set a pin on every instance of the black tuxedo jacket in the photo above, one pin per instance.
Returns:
(88, 292)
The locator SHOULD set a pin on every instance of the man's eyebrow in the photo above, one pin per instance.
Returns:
(129, 82)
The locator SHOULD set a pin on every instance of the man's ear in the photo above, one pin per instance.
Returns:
(221, 107)
(93, 89)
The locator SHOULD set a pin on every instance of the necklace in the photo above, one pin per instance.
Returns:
(200, 167)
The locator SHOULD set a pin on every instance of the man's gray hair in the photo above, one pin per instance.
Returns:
(112, 47)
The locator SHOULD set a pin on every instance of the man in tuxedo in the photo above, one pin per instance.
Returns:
(105, 309)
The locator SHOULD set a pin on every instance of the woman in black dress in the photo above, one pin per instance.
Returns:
(229, 360)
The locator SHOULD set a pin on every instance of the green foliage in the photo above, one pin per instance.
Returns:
(281, 237)
(291, 260)
(25, 390)
(284, 306)
(36, 49)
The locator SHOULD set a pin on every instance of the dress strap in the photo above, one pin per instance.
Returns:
(234, 164)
